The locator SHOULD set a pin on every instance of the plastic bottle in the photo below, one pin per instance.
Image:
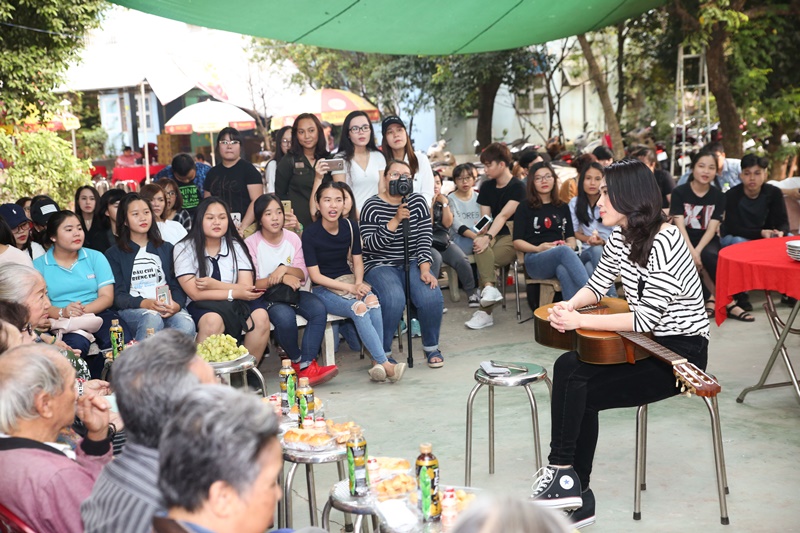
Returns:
(428, 481)
(117, 338)
(288, 384)
(305, 402)
(449, 508)
(357, 463)
(373, 471)
(150, 332)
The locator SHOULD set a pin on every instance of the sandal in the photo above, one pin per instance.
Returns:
(744, 316)
(711, 308)
(432, 359)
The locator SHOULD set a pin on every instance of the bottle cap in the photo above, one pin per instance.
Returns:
(304, 382)
(426, 447)
(115, 322)
(355, 430)
(286, 363)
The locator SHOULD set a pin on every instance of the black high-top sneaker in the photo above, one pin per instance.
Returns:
(584, 515)
(557, 487)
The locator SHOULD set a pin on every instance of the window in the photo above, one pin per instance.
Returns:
(535, 100)
(147, 113)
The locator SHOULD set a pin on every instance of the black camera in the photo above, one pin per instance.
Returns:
(402, 186)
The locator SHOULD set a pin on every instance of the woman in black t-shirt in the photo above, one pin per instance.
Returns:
(234, 180)
(543, 231)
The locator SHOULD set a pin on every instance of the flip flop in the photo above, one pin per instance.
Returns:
(710, 308)
(744, 316)
(435, 354)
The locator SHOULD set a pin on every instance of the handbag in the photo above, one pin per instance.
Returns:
(282, 294)
(440, 238)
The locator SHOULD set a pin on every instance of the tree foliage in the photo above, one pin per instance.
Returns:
(42, 164)
(38, 40)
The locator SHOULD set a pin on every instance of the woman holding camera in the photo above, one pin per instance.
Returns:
(382, 221)
(363, 162)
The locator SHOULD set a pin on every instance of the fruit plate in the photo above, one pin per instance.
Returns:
(232, 362)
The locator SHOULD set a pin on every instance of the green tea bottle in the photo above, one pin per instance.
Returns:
(357, 463)
(428, 480)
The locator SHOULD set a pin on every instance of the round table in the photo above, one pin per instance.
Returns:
(761, 264)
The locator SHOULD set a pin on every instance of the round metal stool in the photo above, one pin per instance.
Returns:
(341, 500)
(337, 455)
(234, 373)
(534, 374)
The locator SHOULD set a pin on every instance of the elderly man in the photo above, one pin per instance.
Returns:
(229, 481)
(44, 482)
(150, 380)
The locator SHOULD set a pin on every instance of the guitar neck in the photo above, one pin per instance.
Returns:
(653, 348)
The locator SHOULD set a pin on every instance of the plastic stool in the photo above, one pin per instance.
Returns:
(534, 374)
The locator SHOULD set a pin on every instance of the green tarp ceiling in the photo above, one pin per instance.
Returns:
(425, 27)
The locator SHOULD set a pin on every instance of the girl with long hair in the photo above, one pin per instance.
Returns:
(174, 209)
(215, 271)
(16, 232)
(277, 255)
(108, 219)
(9, 253)
(142, 265)
(170, 230)
(333, 254)
(283, 143)
(363, 162)
(396, 144)
(665, 298)
(543, 232)
(87, 207)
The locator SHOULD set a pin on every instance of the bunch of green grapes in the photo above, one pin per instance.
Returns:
(220, 348)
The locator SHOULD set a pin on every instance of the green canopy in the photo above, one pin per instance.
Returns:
(422, 27)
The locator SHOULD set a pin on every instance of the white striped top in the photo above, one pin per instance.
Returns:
(671, 297)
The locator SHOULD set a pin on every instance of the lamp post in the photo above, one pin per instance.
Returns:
(66, 104)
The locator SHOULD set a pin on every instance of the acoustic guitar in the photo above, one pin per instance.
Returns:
(611, 348)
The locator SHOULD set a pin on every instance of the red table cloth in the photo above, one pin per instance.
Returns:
(136, 174)
(761, 264)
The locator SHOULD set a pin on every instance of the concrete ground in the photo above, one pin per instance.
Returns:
(761, 437)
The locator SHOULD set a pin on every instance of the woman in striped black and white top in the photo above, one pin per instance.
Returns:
(382, 229)
(665, 297)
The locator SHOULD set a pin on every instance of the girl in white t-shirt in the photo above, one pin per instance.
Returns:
(363, 163)
(216, 273)
(396, 144)
(171, 231)
(277, 254)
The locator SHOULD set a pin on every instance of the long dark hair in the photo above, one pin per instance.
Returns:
(582, 210)
(634, 193)
(167, 182)
(197, 238)
(330, 185)
(321, 149)
(346, 145)
(353, 214)
(109, 197)
(261, 204)
(704, 152)
(413, 163)
(532, 196)
(279, 153)
(6, 235)
(96, 204)
(124, 231)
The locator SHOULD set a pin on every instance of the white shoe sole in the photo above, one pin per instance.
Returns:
(560, 503)
(377, 373)
(588, 521)
(487, 325)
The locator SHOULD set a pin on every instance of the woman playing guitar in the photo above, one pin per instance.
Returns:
(665, 297)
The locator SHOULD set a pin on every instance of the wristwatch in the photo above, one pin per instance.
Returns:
(230, 295)
(445, 205)
(60, 312)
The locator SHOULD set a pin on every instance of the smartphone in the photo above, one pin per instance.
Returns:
(482, 224)
(259, 290)
(162, 295)
(287, 206)
(336, 165)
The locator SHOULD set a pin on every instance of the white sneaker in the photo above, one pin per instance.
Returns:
(480, 320)
(490, 295)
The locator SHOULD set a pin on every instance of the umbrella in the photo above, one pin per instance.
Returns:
(329, 105)
(209, 117)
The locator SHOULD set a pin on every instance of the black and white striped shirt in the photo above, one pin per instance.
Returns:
(384, 247)
(671, 297)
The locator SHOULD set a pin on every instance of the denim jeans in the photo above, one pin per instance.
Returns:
(454, 257)
(284, 318)
(582, 390)
(560, 262)
(140, 320)
(389, 283)
(346, 329)
(590, 257)
(102, 338)
(465, 243)
(369, 325)
(727, 240)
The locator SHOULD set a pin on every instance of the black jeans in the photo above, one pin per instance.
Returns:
(582, 390)
(709, 257)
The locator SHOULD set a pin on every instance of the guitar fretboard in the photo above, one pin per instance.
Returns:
(653, 347)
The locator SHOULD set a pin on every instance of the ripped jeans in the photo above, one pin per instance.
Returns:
(366, 317)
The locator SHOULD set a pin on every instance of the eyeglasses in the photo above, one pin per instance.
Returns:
(546, 177)
(397, 175)
(363, 129)
(22, 228)
(463, 178)
(171, 194)
(229, 143)
(286, 141)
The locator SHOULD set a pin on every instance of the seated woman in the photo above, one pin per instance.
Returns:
(543, 231)
(170, 230)
(216, 273)
(326, 246)
(277, 254)
(142, 267)
(382, 219)
(108, 220)
(663, 291)
(586, 221)
(87, 207)
(79, 281)
(449, 253)
(174, 209)
(9, 253)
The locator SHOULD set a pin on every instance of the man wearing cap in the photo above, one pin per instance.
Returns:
(20, 228)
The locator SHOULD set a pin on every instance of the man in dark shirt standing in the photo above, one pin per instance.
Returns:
(499, 197)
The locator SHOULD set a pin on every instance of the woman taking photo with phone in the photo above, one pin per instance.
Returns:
(543, 232)
(330, 245)
(215, 271)
(363, 163)
(277, 254)
(396, 145)
(294, 178)
(146, 293)
(382, 221)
